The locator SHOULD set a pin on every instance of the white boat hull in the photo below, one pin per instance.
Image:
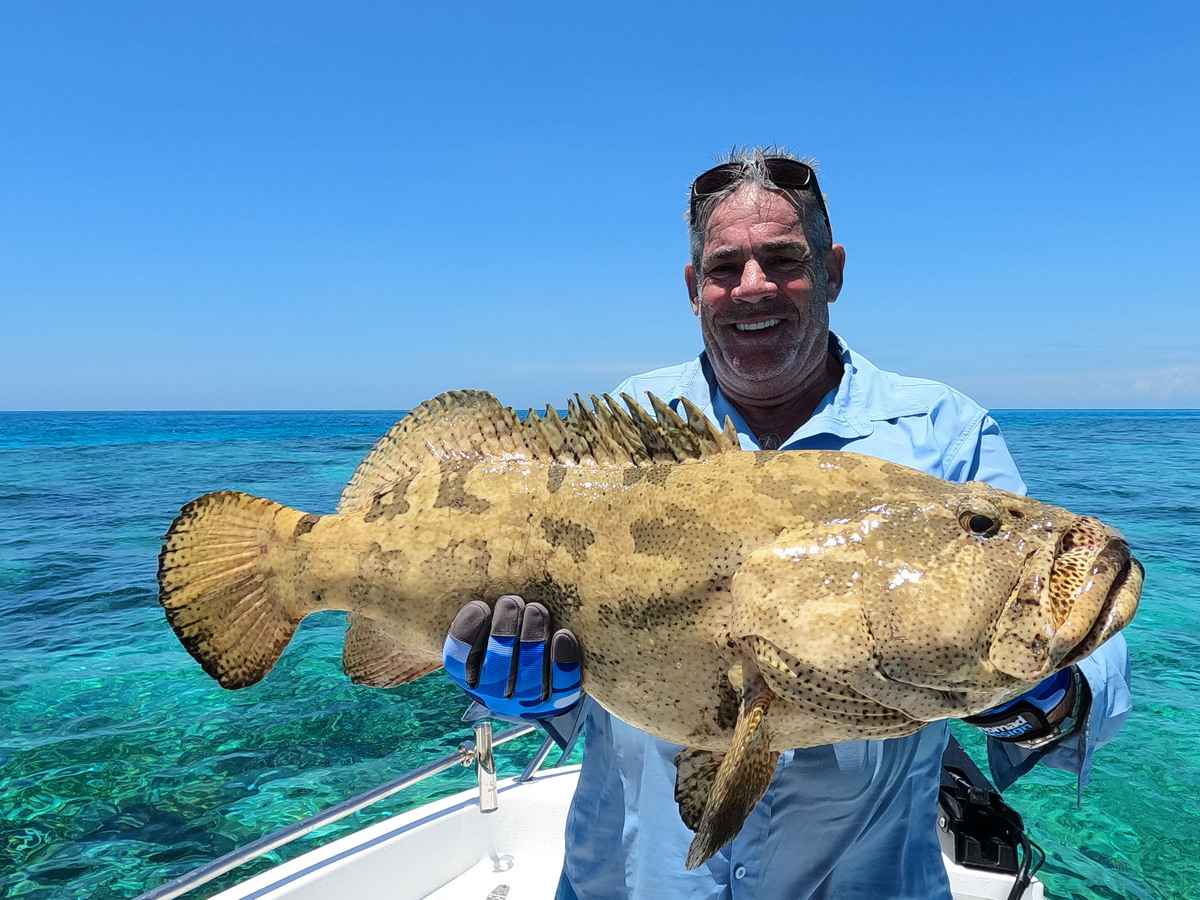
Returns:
(449, 850)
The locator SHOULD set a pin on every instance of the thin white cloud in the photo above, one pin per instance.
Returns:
(1175, 385)
(1168, 382)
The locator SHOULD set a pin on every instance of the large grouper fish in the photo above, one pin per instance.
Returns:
(737, 603)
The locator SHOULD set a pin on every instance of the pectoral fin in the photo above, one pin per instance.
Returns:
(726, 787)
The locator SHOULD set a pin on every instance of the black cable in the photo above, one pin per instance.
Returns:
(1026, 872)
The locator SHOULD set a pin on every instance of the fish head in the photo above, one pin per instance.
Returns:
(1074, 592)
(936, 603)
(985, 583)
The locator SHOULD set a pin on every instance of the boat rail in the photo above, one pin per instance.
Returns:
(477, 752)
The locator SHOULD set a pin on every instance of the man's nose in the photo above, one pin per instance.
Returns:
(754, 285)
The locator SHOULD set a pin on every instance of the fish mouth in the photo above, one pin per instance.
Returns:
(1116, 610)
(1091, 581)
(1068, 601)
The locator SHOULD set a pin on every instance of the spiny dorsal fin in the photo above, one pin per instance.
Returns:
(680, 438)
(621, 424)
(465, 425)
(650, 432)
(456, 424)
(701, 424)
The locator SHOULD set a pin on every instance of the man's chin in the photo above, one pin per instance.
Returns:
(754, 371)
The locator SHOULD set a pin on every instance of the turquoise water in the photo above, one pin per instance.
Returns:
(123, 765)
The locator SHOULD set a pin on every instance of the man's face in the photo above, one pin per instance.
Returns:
(763, 307)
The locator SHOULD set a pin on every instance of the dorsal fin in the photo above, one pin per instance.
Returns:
(472, 425)
(408, 446)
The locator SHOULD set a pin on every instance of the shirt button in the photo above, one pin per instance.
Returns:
(739, 873)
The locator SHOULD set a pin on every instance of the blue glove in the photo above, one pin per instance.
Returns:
(1053, 710)
(507, 659)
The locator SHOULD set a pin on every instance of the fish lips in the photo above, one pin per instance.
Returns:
(1116, 611)
(1068, 601)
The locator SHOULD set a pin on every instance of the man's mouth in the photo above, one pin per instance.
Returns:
(756, 326)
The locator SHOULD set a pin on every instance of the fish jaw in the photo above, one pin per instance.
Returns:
(1115, 613)
(1069, 600)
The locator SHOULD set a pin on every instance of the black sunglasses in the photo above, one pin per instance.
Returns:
(786, 174)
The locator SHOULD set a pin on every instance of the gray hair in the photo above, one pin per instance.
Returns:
(754, 171)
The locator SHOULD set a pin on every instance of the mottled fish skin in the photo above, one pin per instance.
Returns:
(868, 617)
(862, 598)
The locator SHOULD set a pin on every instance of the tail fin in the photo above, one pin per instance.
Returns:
(214, 581)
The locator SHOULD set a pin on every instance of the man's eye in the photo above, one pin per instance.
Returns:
(787, 262)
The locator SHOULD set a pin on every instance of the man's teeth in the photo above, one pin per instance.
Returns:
(756, 326)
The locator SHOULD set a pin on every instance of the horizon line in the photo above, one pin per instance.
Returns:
(403, 409)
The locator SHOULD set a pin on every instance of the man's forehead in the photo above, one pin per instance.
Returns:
(756, 212)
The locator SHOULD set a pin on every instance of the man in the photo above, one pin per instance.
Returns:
(851, 820)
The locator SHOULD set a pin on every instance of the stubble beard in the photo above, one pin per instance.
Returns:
(765, 375)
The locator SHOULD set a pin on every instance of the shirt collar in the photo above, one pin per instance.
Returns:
(848, 411)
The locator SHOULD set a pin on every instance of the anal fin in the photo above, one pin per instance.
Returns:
(695, 774)
(738, 779)
(372, 656)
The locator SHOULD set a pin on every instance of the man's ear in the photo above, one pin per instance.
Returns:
(693, 289)
(835, 265)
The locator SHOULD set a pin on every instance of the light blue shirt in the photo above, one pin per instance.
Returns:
(852, 820)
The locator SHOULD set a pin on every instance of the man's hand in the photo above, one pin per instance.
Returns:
(1053, 710)
(507, 659)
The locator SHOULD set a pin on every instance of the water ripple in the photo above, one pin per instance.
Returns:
(124, 765)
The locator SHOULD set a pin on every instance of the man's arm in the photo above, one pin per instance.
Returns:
(1106, 673)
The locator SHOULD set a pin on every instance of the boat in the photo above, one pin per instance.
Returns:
(503, 839)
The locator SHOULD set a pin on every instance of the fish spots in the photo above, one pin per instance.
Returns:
(679, 531)
(663, 612)
(389, 503)
(656, 475)
(452, 492)
(458, 559)
(825, 695)
(305, 525)
(1085, 532)
(572, 537)
(850, 462)
(559, 597)
(554, 477)
(728, 705)
(777, 488)
(378, 563)
(765, 457)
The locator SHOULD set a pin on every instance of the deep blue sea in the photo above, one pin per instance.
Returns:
(124, 765)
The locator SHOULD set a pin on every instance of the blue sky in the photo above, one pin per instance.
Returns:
(253, 205)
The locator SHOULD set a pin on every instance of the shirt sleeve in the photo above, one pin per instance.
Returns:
(980, 454)
(1107, 672)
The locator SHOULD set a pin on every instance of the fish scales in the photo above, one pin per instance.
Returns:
(735, 603)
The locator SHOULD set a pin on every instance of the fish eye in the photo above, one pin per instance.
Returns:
(979, 519)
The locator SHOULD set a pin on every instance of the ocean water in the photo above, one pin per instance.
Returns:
(123, 765)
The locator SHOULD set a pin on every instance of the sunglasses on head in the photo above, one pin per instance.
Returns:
(786, 174)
